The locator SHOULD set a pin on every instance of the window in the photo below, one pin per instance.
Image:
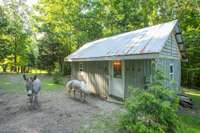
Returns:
(171, 71)
(117, 69)
(80, 67)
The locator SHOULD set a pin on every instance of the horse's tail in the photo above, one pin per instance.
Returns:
(68, 85)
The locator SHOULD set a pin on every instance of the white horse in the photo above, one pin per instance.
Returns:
(77, 85)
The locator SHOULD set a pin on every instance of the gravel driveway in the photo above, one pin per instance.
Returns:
(58, 112)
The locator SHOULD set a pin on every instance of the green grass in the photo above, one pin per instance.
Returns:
(190, 119)
(190, 124)
(14, 82)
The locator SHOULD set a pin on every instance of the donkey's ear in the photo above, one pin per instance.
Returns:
(24, 76)
(34, 77)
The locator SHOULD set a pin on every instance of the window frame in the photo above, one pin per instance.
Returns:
(81, 67)
(115, 73)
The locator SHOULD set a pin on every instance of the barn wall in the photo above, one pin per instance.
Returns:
(171, 48)
(137, 73)
(74, 70)
(163, 64)
(95, 73)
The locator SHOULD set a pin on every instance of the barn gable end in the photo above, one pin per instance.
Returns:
(170, 56)
(170, 48)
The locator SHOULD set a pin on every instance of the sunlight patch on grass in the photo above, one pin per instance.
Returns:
(195, 95)
(50, 84)
(191, 93)
(35, 71)
(7, 83)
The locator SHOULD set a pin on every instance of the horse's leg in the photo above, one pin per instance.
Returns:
(84, 97)
(81, 95)
(74, 93)
(31, 100)
(36, 100)
(69, 90)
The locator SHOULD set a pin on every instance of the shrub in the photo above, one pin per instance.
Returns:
(153, 110)
(57, 78)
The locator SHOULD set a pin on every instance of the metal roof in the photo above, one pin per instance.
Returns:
(144, 41)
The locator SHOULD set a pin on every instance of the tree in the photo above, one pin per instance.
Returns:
(72, 23)
(18, 39)
(55, 23)
(4, 39)
(189, 16)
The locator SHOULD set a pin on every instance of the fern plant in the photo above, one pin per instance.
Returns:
(151, 110)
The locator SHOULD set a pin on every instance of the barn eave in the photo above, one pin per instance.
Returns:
(123, 57)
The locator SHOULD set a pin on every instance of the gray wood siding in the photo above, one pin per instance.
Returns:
(74, 70)
(137, 73)
(171, 47)
(95, 74)
(163, 64)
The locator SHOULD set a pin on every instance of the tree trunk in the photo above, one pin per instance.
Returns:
(61, 64)
(4, 66)
(15, 63)
(15, 55)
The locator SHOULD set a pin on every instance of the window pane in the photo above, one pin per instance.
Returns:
(171, 69)
(171, 73)
(80, 66)
(117, 69)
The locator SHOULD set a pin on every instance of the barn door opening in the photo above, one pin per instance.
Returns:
(117, 79)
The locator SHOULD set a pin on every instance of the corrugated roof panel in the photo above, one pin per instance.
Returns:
(142, 41)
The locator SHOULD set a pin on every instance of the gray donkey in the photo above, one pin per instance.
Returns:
(33, 86)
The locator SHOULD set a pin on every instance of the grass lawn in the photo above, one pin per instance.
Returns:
(191, 118)
(15, 83)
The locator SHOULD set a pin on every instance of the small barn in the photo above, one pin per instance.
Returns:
(111, 65)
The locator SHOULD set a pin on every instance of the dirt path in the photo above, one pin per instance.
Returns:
(58, 113)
